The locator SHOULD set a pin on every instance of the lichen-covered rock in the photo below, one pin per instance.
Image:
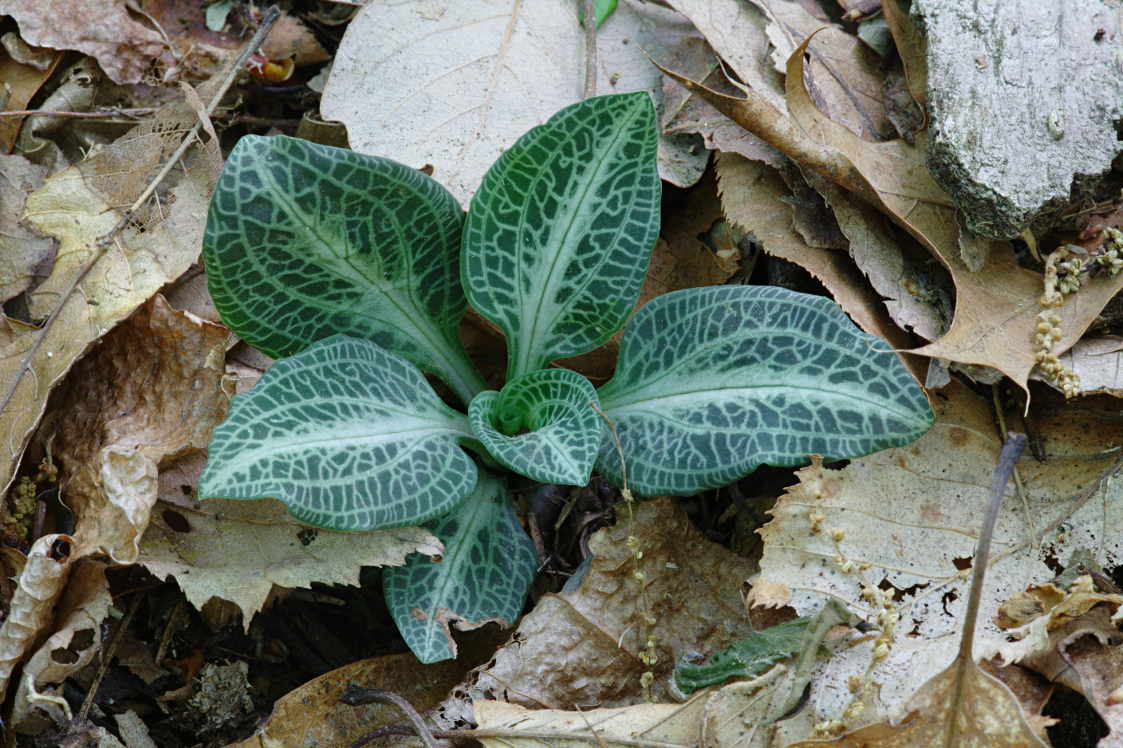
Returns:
(1024, 96)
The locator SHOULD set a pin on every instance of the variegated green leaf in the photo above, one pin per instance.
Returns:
(555, 409)
(304, 241)
(488, 566)
(712, 382)
(560, 233)
(349, 436)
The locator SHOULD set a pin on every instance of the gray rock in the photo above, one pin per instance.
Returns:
(1024, 96)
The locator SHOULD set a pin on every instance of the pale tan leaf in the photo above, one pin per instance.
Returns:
(75, 639)
(40, 583)
(454, 88)
(237, 551)
(752, 196)
(979, 712)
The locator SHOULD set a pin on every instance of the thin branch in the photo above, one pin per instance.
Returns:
(590, 49)
(134, 112)
(357, 696)
(107, 655)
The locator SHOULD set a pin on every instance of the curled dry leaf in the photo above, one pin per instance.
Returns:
(583, 646)
(237, 551)
(103, 29)
(40, 583)
(77, 206)
(74, 640)
(911, 515)
(152, 391)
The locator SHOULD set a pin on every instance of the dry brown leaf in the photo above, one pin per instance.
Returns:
(313, 715)
(843, 74)
(75, 639)
(583, 647)
(237, 551)
(907, 520)
(911, 48)
(77, 206)
(40, 583)
(977, 712)
(996, 307)
(685, 112)
(752, 196)
(27, 255)
(152, 391)
(665, 725)
(918, 293)
(736, 31)
(22, 80)
(102, 29)
(291, 39)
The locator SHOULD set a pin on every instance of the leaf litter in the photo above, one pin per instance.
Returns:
(830, 111)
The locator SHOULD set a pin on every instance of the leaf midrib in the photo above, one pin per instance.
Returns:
(640, 404)
(390, 290)
(553, 279)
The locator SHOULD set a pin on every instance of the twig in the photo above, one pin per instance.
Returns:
(513, 734)
(134, 112)
(357, 696)
(107, 654)
(1007, 459)
(106, 239)
(590, 49)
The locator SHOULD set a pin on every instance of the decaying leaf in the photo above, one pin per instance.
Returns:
(905, 520)
(102, 29)
(27, 256)
(454, 88)
(152, 391)
(237, 551)
(583, 647)
(24, 69)
(976, 712)
(313, 715)
(74, 640)
(685, 112)
(40, 583)
(843, 76)
(77, 206)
